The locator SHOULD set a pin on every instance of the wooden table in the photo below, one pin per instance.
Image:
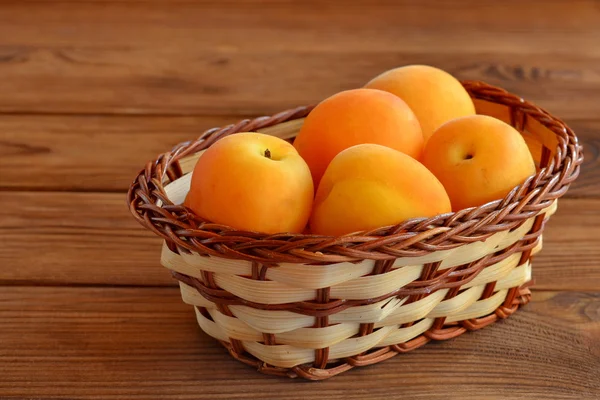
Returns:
(89, 91)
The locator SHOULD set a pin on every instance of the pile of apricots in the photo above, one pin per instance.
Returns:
(407, 145)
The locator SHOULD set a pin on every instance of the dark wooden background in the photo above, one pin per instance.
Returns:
(90, 91)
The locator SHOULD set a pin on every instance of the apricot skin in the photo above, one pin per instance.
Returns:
(434, 95)
(237, 183)
(355, 117)
(478, 159)
(370, 186)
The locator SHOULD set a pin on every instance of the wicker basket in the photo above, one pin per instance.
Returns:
(315, 306)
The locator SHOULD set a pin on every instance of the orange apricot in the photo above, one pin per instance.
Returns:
(434, 95)
(253, 182)
(355, 117)
(370, 186)
(478, 159)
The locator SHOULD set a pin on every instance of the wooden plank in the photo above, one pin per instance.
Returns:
(88, 153)
(75, 238)
(218, 58)
(588, 183)
(100, 81)
(90, 239)
(252, 24)
(571, 248)
(132, 343)
(104, 153)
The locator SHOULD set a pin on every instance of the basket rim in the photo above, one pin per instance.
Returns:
(184, 230)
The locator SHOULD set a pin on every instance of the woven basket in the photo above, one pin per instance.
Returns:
(314, 306)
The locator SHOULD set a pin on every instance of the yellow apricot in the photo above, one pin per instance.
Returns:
(369, 186)
(478, 159)
(434, 95)
(253, 182)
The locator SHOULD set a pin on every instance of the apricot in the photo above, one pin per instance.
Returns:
(478, 159)
(370, 186)
(503, 113)
(253, 182)
(434, 95)
(354, 117)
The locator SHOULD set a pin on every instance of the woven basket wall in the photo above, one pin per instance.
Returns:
(313, 306)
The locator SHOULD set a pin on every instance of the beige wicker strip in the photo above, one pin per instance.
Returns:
(315, 306)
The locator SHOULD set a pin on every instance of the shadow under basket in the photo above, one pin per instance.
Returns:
(311, 306)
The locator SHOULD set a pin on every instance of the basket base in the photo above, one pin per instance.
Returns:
(373, 356)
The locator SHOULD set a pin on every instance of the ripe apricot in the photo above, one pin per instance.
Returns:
(253, 182)
(369, 186)
(478, 159)
(355, 117)
(434, 95)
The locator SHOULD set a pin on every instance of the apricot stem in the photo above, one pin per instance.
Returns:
(268, 153)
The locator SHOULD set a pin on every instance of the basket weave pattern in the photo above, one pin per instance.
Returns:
(315, 306)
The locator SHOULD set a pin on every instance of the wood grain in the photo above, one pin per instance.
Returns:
(133, 343)
(214, 58)
(90, 239)
(75, 238)
(104, 153)
(88, 153)
(588, 183)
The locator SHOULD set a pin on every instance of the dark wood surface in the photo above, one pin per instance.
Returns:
(89, 91)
